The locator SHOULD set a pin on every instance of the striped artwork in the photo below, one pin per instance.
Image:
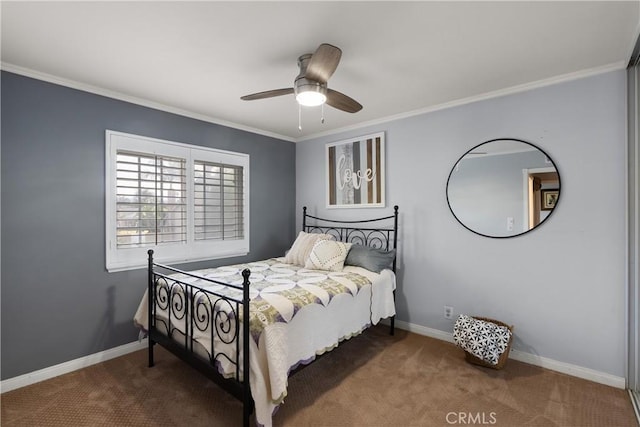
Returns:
(355, 172)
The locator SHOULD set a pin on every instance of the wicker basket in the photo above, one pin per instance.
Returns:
(505, 355)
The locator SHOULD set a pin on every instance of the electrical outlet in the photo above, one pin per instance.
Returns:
(448, 312)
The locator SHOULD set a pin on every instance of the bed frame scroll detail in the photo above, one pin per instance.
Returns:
(191, 309)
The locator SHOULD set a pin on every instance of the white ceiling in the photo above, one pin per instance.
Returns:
(399, 58)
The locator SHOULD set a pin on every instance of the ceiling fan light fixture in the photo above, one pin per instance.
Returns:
(311, 98)
(310, 93)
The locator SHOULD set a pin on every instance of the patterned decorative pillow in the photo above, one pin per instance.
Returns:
(328, 255)
(302, 247)
(485, 340)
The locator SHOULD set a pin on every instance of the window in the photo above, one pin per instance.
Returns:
(218, 201)
(151, 200)
(185, 202)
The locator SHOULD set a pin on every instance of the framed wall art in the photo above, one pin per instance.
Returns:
(549, 199)
(355, 172)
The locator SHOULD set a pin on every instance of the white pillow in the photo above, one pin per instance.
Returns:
(302, 247)
(328, 255)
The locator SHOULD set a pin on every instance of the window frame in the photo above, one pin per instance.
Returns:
(120, 259)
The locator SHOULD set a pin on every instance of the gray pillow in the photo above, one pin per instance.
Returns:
(370, 258)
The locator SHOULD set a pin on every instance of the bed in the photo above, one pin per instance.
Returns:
(337, 279)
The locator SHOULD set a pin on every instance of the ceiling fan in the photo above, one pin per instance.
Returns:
(310, 86)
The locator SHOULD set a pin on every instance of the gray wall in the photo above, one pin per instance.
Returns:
(562, 285)
(58, 301)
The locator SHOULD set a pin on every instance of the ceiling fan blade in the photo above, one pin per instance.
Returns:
(267, 94)
(323, 63)
(342, 102)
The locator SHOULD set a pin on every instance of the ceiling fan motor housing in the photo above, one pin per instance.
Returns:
(314, 91)
(303, 84)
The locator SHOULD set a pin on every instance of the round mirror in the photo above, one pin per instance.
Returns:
(503, 188)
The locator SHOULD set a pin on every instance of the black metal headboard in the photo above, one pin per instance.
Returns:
(384, 236)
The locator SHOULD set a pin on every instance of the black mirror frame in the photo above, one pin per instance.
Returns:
(523, 232)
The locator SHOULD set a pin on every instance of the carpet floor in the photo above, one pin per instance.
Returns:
(371, 380)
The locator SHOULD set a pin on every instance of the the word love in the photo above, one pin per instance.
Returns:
(348, 175)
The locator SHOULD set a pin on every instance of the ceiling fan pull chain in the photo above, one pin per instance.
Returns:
(322, 119)
(299, 118)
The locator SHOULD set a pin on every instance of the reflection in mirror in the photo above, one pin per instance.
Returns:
(503, 188)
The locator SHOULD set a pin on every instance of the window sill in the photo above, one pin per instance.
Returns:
(117, 267)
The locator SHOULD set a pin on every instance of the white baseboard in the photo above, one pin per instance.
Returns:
(532, 359)
(70, 366)
(423, 330)
(92, 359)
(569, 369)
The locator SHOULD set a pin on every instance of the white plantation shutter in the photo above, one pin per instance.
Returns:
(218, 201)
(186, 202)
(151, 200)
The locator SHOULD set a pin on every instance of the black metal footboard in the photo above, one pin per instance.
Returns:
(207, 329)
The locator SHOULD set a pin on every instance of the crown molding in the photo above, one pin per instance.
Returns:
(27, 72)
(620, 65)
(456, 103)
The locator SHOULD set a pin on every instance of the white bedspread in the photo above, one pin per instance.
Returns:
(302, 331)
